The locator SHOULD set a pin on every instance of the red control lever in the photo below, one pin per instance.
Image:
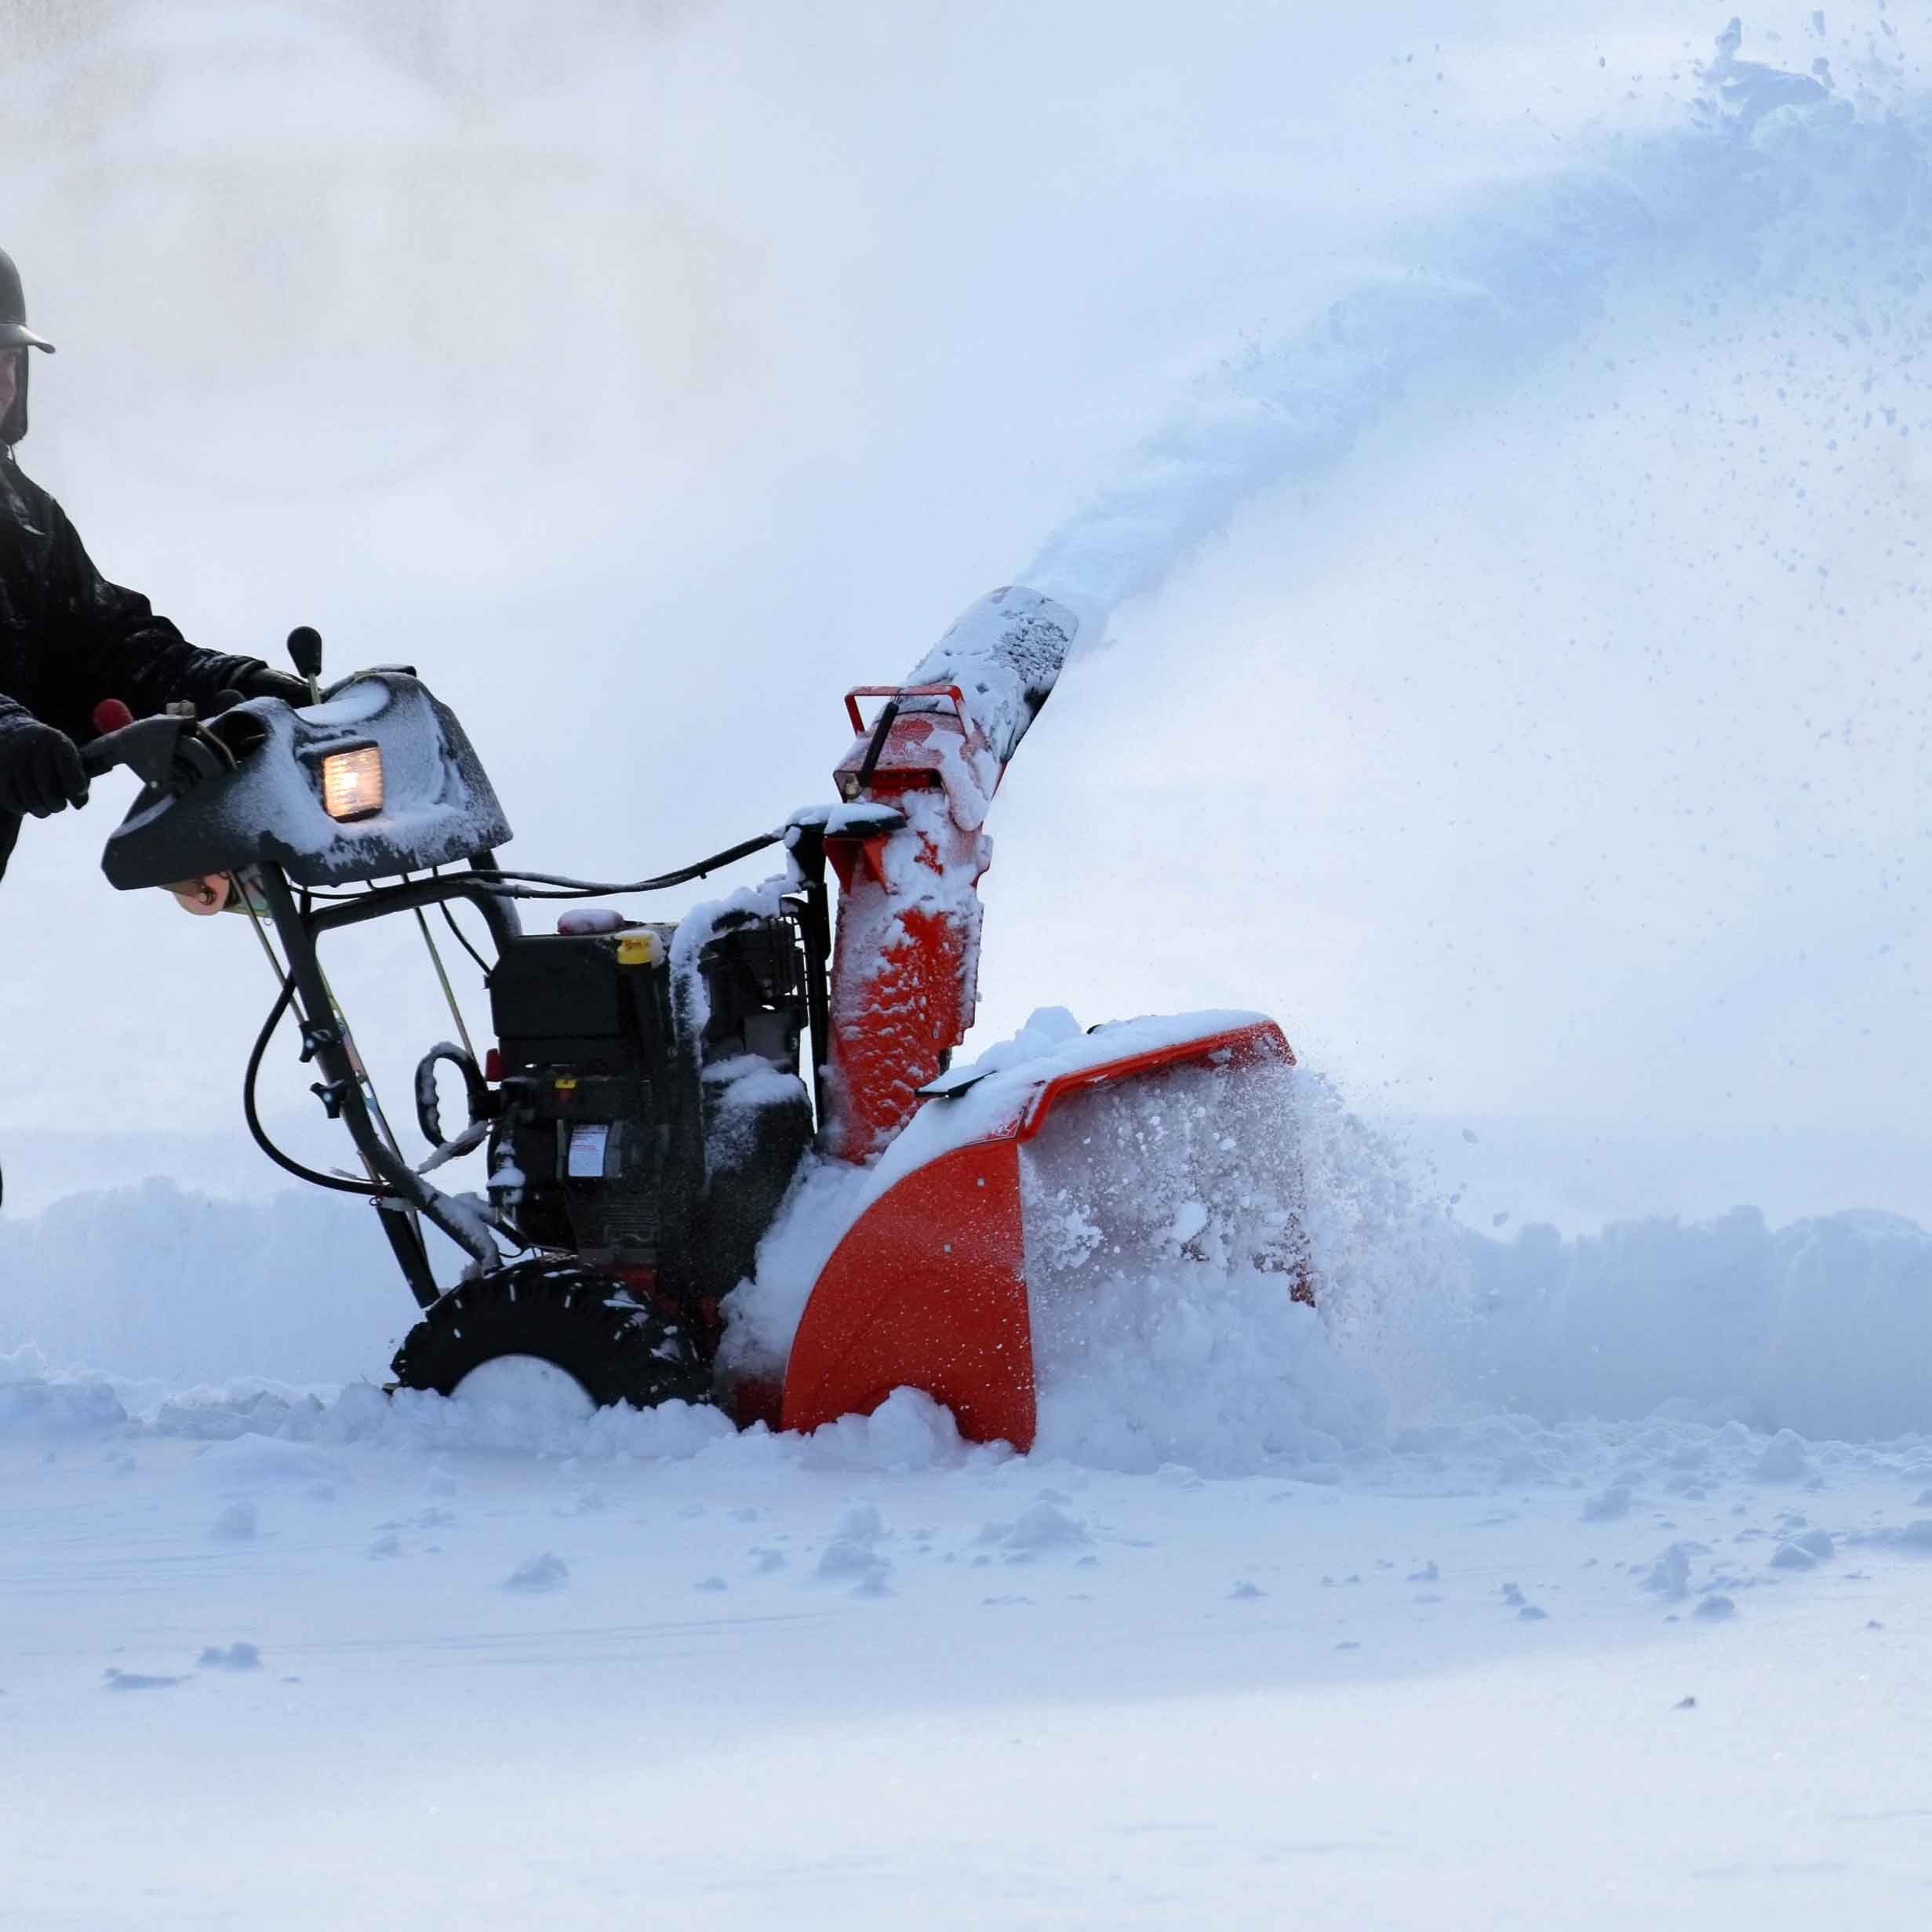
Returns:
(111, 714)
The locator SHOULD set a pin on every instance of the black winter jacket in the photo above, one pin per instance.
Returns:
(69, 638)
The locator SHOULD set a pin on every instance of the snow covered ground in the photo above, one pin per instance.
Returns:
(1501, 1590)
(387, 1671)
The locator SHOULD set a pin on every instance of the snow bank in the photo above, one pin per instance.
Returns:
(1824, 1326)
(36, 1404)
(158, 1280)
(1161, 1253)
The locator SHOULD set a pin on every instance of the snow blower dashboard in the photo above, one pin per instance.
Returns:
(377, 779)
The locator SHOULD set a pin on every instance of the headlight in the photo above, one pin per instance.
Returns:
(352, 782)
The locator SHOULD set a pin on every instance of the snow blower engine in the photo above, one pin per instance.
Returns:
(655, 1089)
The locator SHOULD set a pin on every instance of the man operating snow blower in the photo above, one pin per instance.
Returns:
(68, 638)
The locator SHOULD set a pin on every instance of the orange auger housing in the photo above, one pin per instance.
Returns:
(928, 1288)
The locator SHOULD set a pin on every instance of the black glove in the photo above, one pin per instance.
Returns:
(265, 681)
(40, 769)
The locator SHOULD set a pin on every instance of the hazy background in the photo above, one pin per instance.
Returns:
(647, 374)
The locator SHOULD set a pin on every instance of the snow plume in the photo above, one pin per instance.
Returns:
(1391, 1268)
(1167, 1220)
(1769, 167)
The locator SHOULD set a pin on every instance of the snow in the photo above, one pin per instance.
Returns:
(1003, 655)
(1288, 1612)
(899, 1677)
(1819, 1326)
(1496, 285)
(696, 930)
(356, 704)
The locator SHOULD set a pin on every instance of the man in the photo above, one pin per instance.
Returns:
(68, 638)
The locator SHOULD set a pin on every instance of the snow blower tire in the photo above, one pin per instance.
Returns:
(583, 1322)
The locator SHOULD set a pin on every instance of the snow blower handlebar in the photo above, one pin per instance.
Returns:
(169, 752)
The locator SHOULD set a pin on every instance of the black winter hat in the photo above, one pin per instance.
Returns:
(15, 334)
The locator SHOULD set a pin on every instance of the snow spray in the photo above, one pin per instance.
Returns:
(1490, 289)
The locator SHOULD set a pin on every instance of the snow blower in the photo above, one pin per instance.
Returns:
(655, 1089)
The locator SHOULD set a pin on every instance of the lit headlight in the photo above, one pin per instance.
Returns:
(352, 782)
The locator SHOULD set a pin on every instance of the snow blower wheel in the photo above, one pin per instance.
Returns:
(615, 1348)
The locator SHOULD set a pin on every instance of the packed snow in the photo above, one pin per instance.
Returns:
(434, 1657)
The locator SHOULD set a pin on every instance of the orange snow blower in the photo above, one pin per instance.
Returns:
(661, 1095)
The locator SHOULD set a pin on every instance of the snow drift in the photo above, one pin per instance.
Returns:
(1822, 1326)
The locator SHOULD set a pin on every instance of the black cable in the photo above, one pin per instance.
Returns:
(585, 888)
(463, 939)
(507, 885)
(283, 1001)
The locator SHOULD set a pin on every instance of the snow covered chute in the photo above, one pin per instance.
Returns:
(929, 1288)
(905, 967)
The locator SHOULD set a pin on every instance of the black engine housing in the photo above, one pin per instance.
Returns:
(652, 1114)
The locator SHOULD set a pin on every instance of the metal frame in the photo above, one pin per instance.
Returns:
(399, 1192)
